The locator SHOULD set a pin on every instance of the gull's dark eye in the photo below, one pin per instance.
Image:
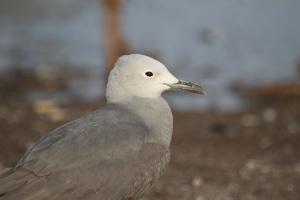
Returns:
(149, 74)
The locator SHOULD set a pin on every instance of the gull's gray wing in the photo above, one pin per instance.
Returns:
(99, 156)
(105, 134)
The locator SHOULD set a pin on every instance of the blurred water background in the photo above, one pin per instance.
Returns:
(220, 44)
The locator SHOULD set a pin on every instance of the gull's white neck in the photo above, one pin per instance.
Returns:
(156, 114)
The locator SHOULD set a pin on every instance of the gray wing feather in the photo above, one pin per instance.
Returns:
(107, 180)
(108, 133)
(105, 146)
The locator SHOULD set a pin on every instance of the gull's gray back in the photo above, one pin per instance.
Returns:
(114, 153)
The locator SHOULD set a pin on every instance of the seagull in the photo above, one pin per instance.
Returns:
(117, 152)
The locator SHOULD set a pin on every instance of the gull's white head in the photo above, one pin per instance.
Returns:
(142, 76)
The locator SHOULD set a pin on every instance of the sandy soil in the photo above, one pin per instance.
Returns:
(249, 155)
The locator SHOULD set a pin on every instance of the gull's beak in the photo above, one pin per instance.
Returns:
(187, 86)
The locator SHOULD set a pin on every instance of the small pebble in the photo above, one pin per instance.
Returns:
(266, 169)
(250, 120)
(293, 127)
(269, 115)
(199, 198)
(252, 165)
(50, 109)
(297, 168)
(290, 187)
(197, 182)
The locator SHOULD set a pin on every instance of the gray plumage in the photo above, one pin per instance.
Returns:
(115, 153)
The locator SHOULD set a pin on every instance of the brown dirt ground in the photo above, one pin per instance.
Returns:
(253, 154)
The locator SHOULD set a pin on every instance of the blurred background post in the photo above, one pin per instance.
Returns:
(114, 39)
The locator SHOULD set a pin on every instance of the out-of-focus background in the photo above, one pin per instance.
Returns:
(240, 142)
